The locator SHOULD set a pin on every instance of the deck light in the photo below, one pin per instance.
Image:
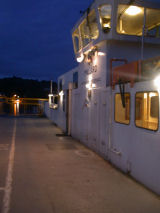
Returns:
(80, 58)
(157, 82)
(61, 93)
(133, 10)
(90, 85)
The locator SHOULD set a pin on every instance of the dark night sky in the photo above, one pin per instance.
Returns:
(35, 37)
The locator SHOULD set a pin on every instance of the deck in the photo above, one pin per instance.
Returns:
(44, 172)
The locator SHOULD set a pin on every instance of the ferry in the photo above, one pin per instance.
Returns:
(110, 101)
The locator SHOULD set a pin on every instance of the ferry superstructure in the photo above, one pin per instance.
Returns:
(110, 101)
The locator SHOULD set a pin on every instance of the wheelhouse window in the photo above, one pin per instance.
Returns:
(130, 21)
(76, 40)
(105, 17)
(153, 23)
(89, 29)
(122, 112)
(147, 110)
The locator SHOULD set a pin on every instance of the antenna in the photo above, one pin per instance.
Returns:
(51, 88)
(143, 34)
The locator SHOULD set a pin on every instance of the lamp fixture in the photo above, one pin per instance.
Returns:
(133, 10)
(80, 58)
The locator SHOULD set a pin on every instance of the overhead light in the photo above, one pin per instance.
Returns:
(80, 58)
(133, 10)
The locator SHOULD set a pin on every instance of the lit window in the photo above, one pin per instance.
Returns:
(105, 17)
(153, 23)
(89, 29)
(122, 113)
(130, 20)
(147, 110)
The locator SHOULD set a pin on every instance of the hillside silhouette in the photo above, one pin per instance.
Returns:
(26, 88)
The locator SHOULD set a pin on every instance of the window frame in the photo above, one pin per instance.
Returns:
(143, 7)
(116, 27)
(154, 91)
(129, 109)
(80, 32)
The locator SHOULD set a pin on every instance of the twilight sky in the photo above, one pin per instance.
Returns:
(35, 37)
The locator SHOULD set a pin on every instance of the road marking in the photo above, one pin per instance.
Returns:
(8, 186)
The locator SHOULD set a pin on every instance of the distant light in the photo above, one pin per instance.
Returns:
(50, 95)
(133, 10)
(80, 58)
(157, 82)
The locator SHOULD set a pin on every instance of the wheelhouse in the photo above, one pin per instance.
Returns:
(116, 20)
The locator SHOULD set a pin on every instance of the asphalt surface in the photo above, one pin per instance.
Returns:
(41, 172)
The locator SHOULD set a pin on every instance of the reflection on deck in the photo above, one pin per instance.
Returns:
(21, 106)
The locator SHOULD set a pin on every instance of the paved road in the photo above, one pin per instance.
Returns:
(44, 173)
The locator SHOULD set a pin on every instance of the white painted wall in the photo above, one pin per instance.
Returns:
(128, 147)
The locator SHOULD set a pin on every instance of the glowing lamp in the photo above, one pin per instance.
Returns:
(133, 10)
(80, 58)
(106, 25)
(61, 93)
(157, 82)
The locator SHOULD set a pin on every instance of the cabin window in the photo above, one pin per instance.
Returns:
(152, 23)
(130, 20)
(105, 17)
(122, 114)
(89, 29)
(147, 110)
(76, 40)
(75, 80)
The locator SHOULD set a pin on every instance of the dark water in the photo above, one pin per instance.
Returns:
(18, 109)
